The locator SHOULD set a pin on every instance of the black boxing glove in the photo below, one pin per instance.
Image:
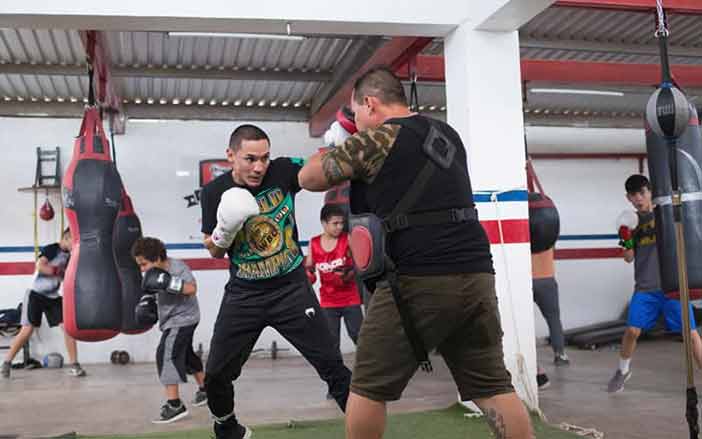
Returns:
(146, 311)
(157, 280)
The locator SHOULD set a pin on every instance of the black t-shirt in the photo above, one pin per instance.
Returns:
(266, 253)
(386, 161)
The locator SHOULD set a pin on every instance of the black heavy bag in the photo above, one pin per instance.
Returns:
(689, 150)
(92, 293)
(127, 231)
(544, 222)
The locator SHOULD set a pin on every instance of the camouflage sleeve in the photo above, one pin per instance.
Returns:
(361, 156)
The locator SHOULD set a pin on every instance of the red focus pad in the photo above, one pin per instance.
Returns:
(127, 231)
(46, 212)
(347, 120)
(361, 244)
(92, 293)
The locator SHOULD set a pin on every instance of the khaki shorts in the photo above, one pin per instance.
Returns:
(456, 314)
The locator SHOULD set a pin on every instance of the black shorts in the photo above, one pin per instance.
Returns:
(175, 358)
(36, 304)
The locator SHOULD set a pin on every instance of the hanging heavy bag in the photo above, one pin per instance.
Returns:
(127, 231)
(544, 222)
(92, 292)
(689, 160)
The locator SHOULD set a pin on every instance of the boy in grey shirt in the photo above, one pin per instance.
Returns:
(170, 287)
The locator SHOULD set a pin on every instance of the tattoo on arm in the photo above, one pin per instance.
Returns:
(496, 423)
(332, 169)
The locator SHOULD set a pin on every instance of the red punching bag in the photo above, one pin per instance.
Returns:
(46, 211)
(92, 293)
(128, 230)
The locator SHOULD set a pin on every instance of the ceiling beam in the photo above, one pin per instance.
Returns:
(593, 46)
(169, 73)
(608, 73)
(158, 111)
(431, 68)
(254, 114)
(393, 53)
(671, 6)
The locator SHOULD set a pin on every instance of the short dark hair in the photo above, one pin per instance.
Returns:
(151, 249)
(246, 132)
(636, 183)
(330, 210)
(382, 83)
(66, 231)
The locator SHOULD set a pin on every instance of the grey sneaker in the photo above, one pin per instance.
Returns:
(200, 398)
(616, 384)
(561, 359)
(171, 414)
(5, 370)
(76, 370)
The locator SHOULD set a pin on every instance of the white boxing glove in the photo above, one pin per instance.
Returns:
(336, 135)
(627, 222)
(235, 207)
(628, 218)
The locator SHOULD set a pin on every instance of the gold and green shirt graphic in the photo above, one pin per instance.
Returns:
(265, 247)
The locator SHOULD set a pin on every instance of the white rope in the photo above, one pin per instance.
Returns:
(522, 374)
(581, 431)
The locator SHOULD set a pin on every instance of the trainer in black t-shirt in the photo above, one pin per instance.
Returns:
(266, 252)
(385, 163)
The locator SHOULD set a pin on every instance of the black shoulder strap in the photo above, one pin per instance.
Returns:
(440, 152)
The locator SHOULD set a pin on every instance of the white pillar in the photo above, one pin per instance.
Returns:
(484, 104)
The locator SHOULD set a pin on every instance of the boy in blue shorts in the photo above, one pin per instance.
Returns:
(648, 302)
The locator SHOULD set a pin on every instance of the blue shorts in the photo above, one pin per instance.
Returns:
(646, 307)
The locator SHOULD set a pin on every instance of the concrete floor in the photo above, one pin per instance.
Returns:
(123, 399)
(652, 404)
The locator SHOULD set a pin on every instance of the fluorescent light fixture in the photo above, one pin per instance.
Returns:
(182, 174)
(237, 35)
(570, 91)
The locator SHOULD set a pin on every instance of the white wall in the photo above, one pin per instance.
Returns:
(148, 157)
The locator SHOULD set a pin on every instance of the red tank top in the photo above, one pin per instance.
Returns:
(334, 292)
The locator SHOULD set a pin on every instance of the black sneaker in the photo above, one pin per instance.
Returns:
(171, 414)
(5, 369)
(561, 359)
(200, 398)
(231, 429)
(542, 381)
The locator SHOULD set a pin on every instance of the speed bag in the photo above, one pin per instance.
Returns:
(544, 222)
(92, 292)
(127, 231)
(689, 159)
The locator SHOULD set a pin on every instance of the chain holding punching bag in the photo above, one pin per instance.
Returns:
(127, 231)
(92, 292)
